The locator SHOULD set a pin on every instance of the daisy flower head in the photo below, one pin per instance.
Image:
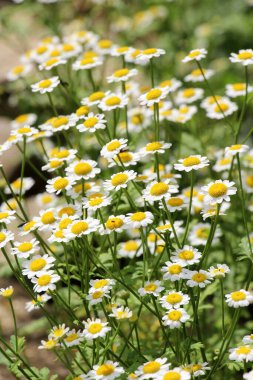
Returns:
(59, 184)
(219, 271)
(46, 281)
(237, 89)
(113, 101)
(222, 164)
(104, 46)
(87, 63)
(122, 75)
(113, 148)
(113, 224)
(96, 296)
(171, 84)
(174, 300)
(46, 220)
(95, 328)
(60, 123)
(195, 55)
(121, 313)
(96, 201)
(154, 147)
(49, 344)
(18, 72)
(23, 120)
(93, 99)
(130, 249)
(119, 180)
(35, 303)
(92, 122)
(200, 232)
(82, 169)
(221, 108)
(248, 183)
(146, 55)
(194, 162)
(104, 283)
(218, 191)
(153, 369)
(176, 203)
(46, 85)
(173, 271)
(7, 292)
(199, 369)
(82, 111)
(197, 76)
(156, 191)
(151, 287)
(119, 51)
(248, 339)
(63, 154)
(241, 353)
(82, 227)
(199, 278)
(25, 248)
(239, 298)
(234, 149)
(37, 265)
(7, 216)
(107, 371)
(177, 373)
(72, 338)
(139, 219)
(189, 95)
(126, 158)
(186, 255)
(50, 63)
(153, 96)
(248, 375)
(58, 332)
(27, 184)
(244, 56)
(174, 318)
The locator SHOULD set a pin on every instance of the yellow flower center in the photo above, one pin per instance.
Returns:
(96, 96)
(113, 145)
(3, 215)
(87, 61)
(66, 210)
(82, 168)
(24, 130)
(150, 287)
(194, 54)
(149, 51)
(21, 118)
(172, 375)
(197, 72)
(61, 153)
(245, 55)
(239, 86)
(55, 164)
(50, 344)
(202, 233)
(199, 277)
(189, 92)
(61, 183)
(91, 122)
(70, 338)
(105, 44)
(64, 223)
(38, 264)
(238, 296)
(51, 61)
(59, 122)
(18, 70)
(174, 202)
(45, 83)
(174, 298)
(151, 367)
(159, 188)
(16, 184)
(125, 156)
(25, 247)
(100, 284)
(119, 179)
(122, 49)
(153, 146)
(114, 223)
(224, 161)
(44, 280)
(68, 47)
(79, 227)
(48, 217)
(138, 216)
(221, 107)
(235, 147)
(243, 350)
(83, 110)
(249, 180)
(105, 370)
(217, 190)
(46, 198)
(186, 255)
(96, 201)
(174, 315)
(131, 245)
(28, 226)
(121, 73)
(175, 269)
(7, 293)
(154, 94)
(97, 295)
(95, 328)
(59, 234)
(191, 161)
(113, 101)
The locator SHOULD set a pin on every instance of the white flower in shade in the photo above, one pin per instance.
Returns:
(197, 76)
(46, 85)
(171, 84)
(122, 75)
(121, 313)
(29, 227)
(125, 158)
(237, 89)
(219, 271)
(107, 371)
(35, 304)
(177, 373)
(194, 162)
(58, 124)
(83, 169)
(95, 328)
(46, 220)
(177, 203)
(37, 265)
(7, 292)
(245, 57)
(248, 375)
(248, 183)
(151, 287)
(58, 332)
(200, 232)
(248, 339)
(7, 216)
(52, 62)
(195, 55)
(224, 108)
(27, 184)
(156, 191)
(199, 278)
(174, 300)
(174, 318)
(87, 63)
(19, 71)
(63, 154)
(59, 184)
(155, 95)
(173, 271)
(146, 55)
(242, 353)
(112, 148)
(92, 122)
(104, 46)
(113, 101)
(130, 249)
(234, 149)
(25, 248)
(96, 296)
(93, 99)
(120, 180)
(49, 344)
(154, 147)
(154, 369)
(199, 369)
(119, 51)
(239, 298)
(46, 200)
(222, 164)
(24, 131)
(72, 338)
(23, 120)
(82, 227)
(94, 202)
(45, 281)
(58, 236)
(77, 190)
(218, 191)
(113, 224)
(186, 255)
(139, 219)
(101, 283)
(82, 111)
(189, 95)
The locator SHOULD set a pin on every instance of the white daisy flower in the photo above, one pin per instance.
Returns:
(7, 292)
(46, 200)
(122, 75)
(199, 278)
(234, 149)
(173, 271)
(37, 265)
(146, 55)
(113, 101)
(248, 375)
(35, 304)
(83, 169)
(190, 163)
(186, 255)
(156, 191)
(239, 354)
(63, 154)
(218, 191)
(19, 71)
(82, 227)
(113, 224)
(154, 147)
(200, 232)
(125, 158)
(239, 298)
(45, 281)
(248, 339)
(59, 184)
(222, 164)
(237, 89)
(121, 313)
(174, 318)
(171, 84)
(107, 371)
(177, 203)
(245, 57)
(130, 249)
(25, 248)
(51, 63)
(48, 345)
(151, 287)
(46, 85)
(94, 202)
(92, 123)
(95, 328)
(96, 296)
(196, 54)
(87, 63)
(199, 369)
(104, 283)
(224, 108)
(104, 46)
(119, 180)
(23, 120)
(174, 300)
(118, 51)
(189, 95)
(197, 76)
(58, 332)
(177, 373)
(60, 123)
(7, 216)
(72, 338)
(219, 271)
(155, 95)
(248, 183)
(82, 111)
(139, 219)
(153, 369)
(113, 148)
(46, 220)
(93, 99)
(27, 184)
